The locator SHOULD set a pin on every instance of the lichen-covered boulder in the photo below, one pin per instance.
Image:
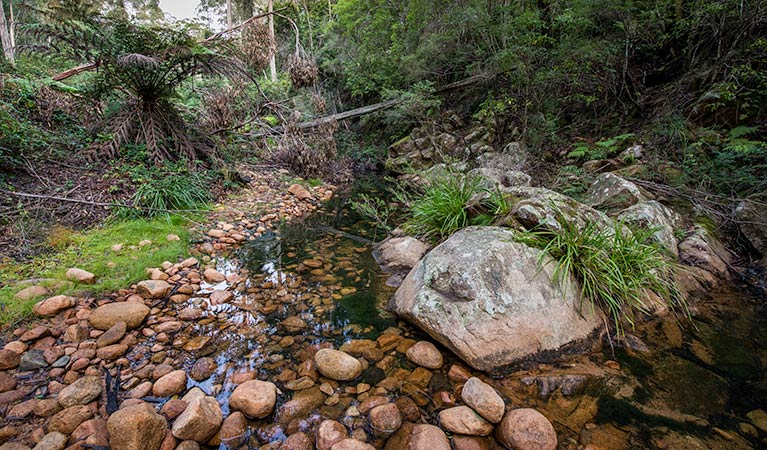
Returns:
(536, 208)
(484, 296)
(654, 215)
(612, 193)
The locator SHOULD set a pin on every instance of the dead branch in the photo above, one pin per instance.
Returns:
(237, 27)
(75, 71)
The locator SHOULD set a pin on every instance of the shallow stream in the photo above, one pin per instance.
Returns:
(676, 383)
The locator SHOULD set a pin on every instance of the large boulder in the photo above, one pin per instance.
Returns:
(254, 398)
(612, 193)
(485, 297)
(752, 218)
(400, 253)
(106, 316)
(653, 215)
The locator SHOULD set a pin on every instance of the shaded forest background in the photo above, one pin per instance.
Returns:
(172, 106)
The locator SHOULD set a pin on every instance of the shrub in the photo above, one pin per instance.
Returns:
(614, 267)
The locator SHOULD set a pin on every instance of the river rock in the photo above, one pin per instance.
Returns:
(170, 384)
(255, 398)
(400, 253)
(112, 335)
(81, 392)
(67, 420)
(385, 419)
(484, 399)
(330, 432)
(111, 352)
(297, 441)
(428, 437)
(233, 430)
(199, 421)
(220, 296)
(9, 359)
(526, 429)
(337, 365)
(80, 276)
(203, 368)
(463, 420)
(30, 293)
(300, 192)
(613, 193)
(425, 354)
(351, 444)
(54, 305)
(106, 316)
(32, 360)
(653, 215)
(152, 289)
(300, 406)
(485, 297)
(213, 276)
(52, 441)
(136, 427)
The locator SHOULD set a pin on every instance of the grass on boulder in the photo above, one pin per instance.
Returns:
(92, 251)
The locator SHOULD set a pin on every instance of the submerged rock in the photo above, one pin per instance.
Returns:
(337, 365)
(400, 253)
(484, 296)
(526, 429)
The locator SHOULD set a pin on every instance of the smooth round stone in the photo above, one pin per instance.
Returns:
(385, 419)
(170, 384)
(526, 429)
(428, 437)
(254, 398)
(337, 365)
(330, 432)
(484, 399)
(106, 316)
(463, 420)
(425, 354)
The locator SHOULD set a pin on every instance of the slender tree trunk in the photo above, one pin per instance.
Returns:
(5, 36)
(228, 14)
(272, 60)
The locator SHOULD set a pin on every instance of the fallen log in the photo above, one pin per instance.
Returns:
(358, 112)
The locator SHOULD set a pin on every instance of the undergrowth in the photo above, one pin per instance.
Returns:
(615, 268)
(93, 251)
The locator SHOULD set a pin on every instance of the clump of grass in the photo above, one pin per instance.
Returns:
(614, 267)
(92, 250)
(442, 208)
(159, 194)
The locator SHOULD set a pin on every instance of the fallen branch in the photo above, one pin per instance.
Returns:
(75, 71)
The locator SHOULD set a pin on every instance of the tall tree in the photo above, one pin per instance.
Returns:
(6, 35)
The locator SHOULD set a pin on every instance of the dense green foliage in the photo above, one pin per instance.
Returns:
(615, 268)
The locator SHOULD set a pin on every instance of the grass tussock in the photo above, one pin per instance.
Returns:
(614, 267)
(92, 250)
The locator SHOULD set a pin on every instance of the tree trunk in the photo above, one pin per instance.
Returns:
(228, 14)
(5, 36)
(272, 60)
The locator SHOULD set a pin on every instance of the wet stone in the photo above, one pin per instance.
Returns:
(32, 360)
(203, 369)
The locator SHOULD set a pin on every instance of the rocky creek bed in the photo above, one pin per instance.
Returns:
(274, 336)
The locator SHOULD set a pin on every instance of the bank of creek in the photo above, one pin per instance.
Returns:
(279, 276)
